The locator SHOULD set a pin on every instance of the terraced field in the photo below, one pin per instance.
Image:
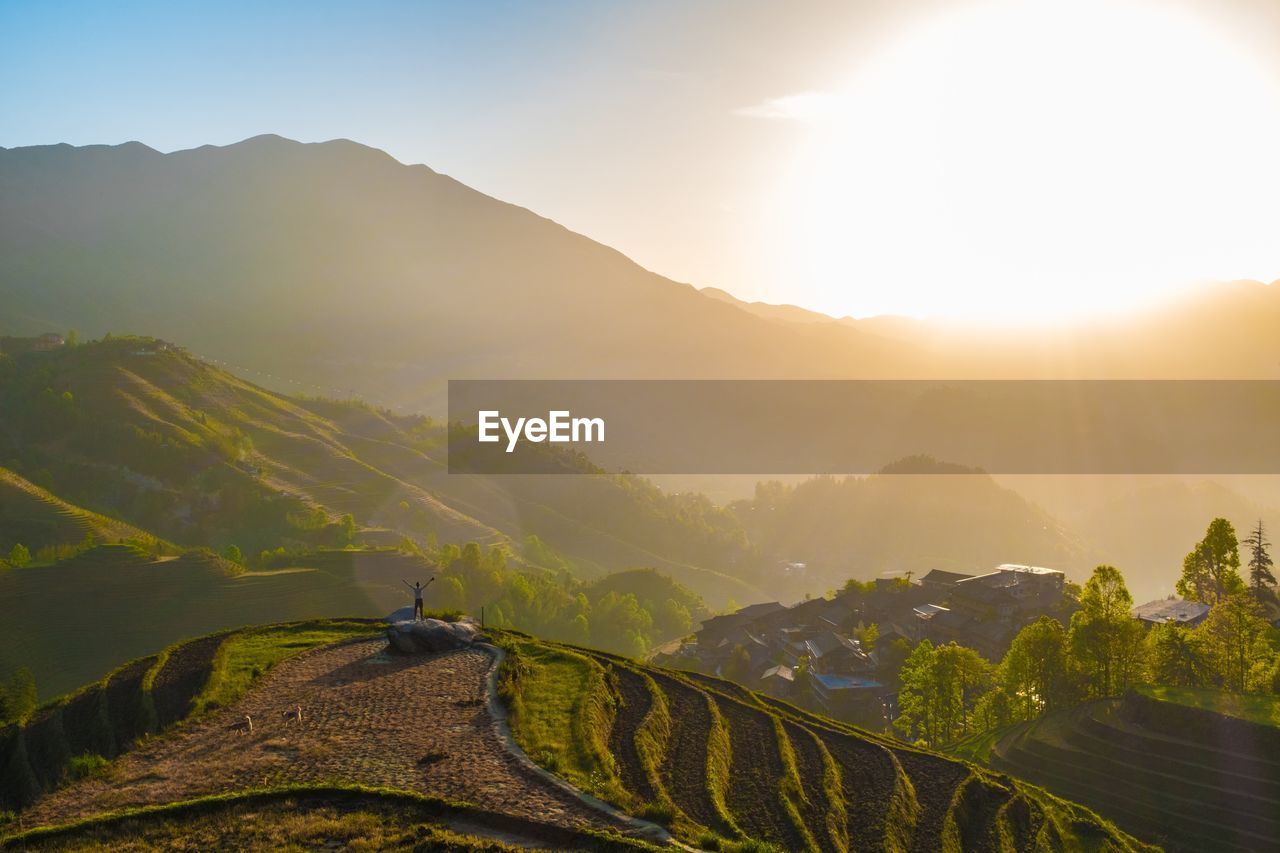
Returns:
(35, 517)
(398, 750)
(720, 765)
(1183, 777)
(380, 734)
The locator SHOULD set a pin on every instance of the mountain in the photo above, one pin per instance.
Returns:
(335, 266)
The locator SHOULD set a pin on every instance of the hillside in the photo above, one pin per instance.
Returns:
(140, 430)
(205, 775)
(912, 518)
(1186, 777)
(652, 741)
(37, 518)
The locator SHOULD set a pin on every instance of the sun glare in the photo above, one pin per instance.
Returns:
(1036, 160)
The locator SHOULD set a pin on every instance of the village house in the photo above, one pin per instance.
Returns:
(1171, 611)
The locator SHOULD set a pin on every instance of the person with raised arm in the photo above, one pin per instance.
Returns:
(417, 589)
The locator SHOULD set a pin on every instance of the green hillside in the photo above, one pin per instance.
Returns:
(141, 431)
(1179, 773)
(37, 519)
(720, 765)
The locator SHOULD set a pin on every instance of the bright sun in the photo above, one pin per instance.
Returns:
(1035, 160)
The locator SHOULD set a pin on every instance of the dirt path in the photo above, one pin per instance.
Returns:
(411, 722)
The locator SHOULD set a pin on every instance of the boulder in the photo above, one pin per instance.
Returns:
(430, 636)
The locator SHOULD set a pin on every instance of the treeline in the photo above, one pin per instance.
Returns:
(627, 612)
(538, 591)
(950, 691)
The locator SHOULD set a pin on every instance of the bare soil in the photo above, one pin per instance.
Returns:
(634, 705)
(368, 718)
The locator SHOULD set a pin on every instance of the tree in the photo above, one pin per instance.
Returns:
(19, 556)
(1036, 672)
(232, 553)
(1105, 639)
(347, 529)
(941, 690)
(1210, 572)
(1262, 582)
(1177, 657)
(1235, 635)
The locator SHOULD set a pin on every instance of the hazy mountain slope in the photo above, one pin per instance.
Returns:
(1148, 531)
(142, 431)
(334, 264)
(862, 526)
(1220, 331)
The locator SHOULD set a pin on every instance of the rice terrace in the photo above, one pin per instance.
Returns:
(326, 720)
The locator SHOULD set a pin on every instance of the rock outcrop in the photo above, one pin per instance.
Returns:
(429, 636)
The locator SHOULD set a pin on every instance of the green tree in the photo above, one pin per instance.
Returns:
(1262, 581)
(1234, 635)
(19, 556)
(232, 553)
(1105, 639)
(1210, 572)
(942, 687)
(1036, 672)
(347, 529)
(1176, 657)
(73, 338)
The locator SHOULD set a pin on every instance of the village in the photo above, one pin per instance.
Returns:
(841, 655)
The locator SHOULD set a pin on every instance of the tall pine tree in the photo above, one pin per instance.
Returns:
(1262, 582)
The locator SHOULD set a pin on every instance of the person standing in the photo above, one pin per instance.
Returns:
(417, 589)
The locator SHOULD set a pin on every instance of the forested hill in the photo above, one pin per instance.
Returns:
(140, 431)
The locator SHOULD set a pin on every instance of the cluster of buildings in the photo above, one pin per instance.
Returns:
(815, 652)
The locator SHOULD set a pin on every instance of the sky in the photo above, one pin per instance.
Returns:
(1027, 160)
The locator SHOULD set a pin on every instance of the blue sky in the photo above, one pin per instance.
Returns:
(665, 129)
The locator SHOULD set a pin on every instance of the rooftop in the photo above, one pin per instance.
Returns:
(1170, 610)
(941, 576)
(846, 682)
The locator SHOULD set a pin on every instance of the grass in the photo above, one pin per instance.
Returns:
(248, 655)
(977, 748)
(1262, 710)
(561, 711)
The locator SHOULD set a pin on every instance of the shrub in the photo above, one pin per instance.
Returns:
(662, 812)
(87, 766)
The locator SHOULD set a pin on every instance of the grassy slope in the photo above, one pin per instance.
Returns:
(35, 517)
(1263, 710)
(773, 774)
